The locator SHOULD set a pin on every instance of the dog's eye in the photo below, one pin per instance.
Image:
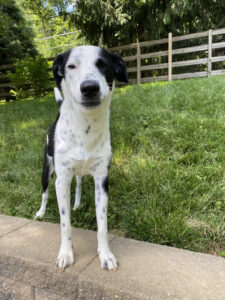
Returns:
(72, 66)
(101, 64)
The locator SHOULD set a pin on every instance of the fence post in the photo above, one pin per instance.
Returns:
(138, 62)
(210, 53)
(170, 41)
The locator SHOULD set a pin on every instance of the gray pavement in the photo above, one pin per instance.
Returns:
(29, 249)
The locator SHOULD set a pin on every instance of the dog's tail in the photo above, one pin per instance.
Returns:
(58, 96)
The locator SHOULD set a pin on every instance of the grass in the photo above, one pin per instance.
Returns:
(167, 174)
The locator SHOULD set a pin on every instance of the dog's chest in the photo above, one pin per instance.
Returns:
(83, 146)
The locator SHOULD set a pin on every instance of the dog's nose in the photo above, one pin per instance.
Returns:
(89, 88)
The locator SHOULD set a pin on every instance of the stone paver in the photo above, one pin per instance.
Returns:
(45, 294)
(150, 271)
(8, 224)
(146, 271)
(12, 289)
(40, 242)
(32, 251)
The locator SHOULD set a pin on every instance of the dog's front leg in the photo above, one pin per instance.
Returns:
(107, 259)
(66, 256)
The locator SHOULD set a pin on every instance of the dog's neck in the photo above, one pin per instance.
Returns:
(91, 125)
(80, 116)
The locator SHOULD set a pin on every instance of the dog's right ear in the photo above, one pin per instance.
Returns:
(59, 67)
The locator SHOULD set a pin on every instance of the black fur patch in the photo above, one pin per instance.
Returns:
(105, 184)
(119, 68)
(60, 101)
(45, 173)
(51, 138)
(88, 129)
(59, 67)
(112, 66)
(49, 150)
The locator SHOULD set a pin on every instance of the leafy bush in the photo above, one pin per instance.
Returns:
(30, 73)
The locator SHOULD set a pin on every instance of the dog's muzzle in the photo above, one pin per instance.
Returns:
(90, 91)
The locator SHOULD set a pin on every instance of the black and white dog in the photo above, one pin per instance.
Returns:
(78, 142)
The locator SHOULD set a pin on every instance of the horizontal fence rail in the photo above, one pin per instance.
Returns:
(170, 53)
(142, 63)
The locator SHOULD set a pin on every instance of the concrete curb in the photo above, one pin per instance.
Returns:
(28, 252)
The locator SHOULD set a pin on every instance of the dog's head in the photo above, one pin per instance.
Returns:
(87, 73)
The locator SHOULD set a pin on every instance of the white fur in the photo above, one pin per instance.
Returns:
(82, 146)
(78, 192)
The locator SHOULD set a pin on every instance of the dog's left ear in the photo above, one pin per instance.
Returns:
(119, 68)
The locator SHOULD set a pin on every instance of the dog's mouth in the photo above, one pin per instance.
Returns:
(91, 102)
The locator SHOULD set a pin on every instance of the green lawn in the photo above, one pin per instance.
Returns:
(167, 174)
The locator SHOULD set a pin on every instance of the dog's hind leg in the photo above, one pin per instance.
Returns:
(78, 192)
(48, 171)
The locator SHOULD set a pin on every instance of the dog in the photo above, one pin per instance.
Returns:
(78, 142)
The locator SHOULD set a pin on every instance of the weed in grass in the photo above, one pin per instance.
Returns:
(167, 173)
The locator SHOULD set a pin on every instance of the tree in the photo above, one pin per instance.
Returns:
(45, 10)
(16, 39)
(98, 20)
(49, 18)
(114, 22)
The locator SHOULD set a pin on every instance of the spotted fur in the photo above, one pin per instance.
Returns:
(78, 143)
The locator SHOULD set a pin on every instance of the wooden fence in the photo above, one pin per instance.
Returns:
(170, 65)
(141, 62)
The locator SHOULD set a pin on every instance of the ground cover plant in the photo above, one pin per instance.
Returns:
(167, 174)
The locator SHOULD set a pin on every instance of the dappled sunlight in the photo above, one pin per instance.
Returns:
(28, 99)
(2, 141)
(13, 102)
(46, 98)
(122, 90)
(142, 162)
(121, 155)
(129, 162)
(197, 223)
(3, 102)
(153, 84)
(28, 124)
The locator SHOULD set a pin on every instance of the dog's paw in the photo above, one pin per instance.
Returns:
(65, 258)
(108, 260)
(39, 215)
(76, 205)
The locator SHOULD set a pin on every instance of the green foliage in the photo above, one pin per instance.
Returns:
(56, 45)
(167, 172)
(49, 18)
(111, 22)
(32, 72)
(98, 20)
(16, 39)
(45, 10)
